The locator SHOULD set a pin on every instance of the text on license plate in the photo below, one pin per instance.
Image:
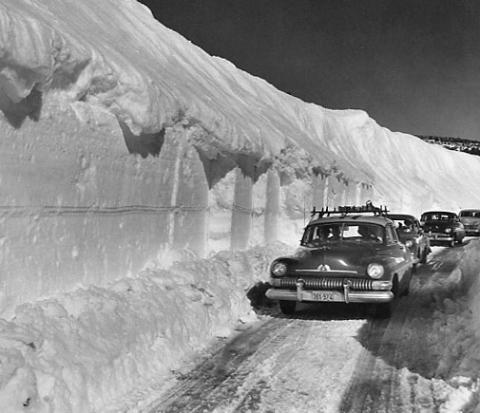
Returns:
(324, 296)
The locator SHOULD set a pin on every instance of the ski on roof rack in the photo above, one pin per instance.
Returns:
(349, 209)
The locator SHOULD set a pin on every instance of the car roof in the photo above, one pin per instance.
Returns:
(438, 212)
(353, 218)
(402, 216)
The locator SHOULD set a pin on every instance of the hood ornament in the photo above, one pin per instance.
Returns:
(323, 267)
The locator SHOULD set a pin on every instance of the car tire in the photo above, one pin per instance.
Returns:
(287, 307)
(385, 310)
(406, 289)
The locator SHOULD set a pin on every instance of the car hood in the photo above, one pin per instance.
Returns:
(341, 256)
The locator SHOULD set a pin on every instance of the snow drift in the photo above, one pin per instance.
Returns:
(122, 142)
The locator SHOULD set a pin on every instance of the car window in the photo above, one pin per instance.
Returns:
(391, 235)
(404, 224)
(475, 214)
(438, 216)
(335, 232)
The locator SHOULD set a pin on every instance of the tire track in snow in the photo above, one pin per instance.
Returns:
(282, 364)
(218, 378)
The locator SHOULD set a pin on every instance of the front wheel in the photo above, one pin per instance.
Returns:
(385, 310)
(287, 307)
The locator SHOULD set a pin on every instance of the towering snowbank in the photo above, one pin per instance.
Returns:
(116, 132)
(114, 55)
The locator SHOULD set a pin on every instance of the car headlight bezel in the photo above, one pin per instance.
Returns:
(279, 269)
(375, 270)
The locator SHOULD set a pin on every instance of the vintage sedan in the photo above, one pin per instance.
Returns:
(443, 227)
(349, 255)
(470, 218)
(410, 232)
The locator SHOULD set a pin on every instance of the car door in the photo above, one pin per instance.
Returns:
(401, 257)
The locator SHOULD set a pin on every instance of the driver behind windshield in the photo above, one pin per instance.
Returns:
(370, 232)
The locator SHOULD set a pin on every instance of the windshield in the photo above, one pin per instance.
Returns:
(403, 224)
(438, 216)
(325, 233)
(475, 214)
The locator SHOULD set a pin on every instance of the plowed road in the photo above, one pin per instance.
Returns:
(325, 359)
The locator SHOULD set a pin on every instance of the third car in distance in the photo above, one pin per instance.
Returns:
(470, 218)
(443, 227)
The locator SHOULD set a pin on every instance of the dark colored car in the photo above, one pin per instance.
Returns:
(349, 255)
(442, 227)
(410, 233)
(470, 218)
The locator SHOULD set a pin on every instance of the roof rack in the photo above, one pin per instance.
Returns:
(346, 210)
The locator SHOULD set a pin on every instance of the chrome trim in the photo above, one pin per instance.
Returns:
(382, 285)
(299, 284)
(353, 296)
(346, 290)
(317, 271)
(322, 283)
(440, 237)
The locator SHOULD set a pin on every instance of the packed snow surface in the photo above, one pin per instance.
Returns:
(122, 142)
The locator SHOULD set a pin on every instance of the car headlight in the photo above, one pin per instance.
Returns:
(448, 230)
(279, 269)
(375, 270)
(409, 243)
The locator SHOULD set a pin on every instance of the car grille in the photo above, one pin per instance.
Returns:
(325, 283)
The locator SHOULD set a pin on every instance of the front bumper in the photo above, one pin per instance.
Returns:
(347, 295)
(439, 236)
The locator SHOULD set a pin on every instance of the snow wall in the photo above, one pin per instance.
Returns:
(122, 141)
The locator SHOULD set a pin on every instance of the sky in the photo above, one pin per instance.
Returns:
(413, 65)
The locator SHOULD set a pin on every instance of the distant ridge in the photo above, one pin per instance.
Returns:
(454, 143)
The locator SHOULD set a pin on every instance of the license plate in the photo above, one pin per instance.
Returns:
(324, 296)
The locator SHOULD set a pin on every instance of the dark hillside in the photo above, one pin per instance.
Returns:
(454, 144)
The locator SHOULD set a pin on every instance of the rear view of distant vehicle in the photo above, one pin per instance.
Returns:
(443, 227)
(470, 218)
(412, 235)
